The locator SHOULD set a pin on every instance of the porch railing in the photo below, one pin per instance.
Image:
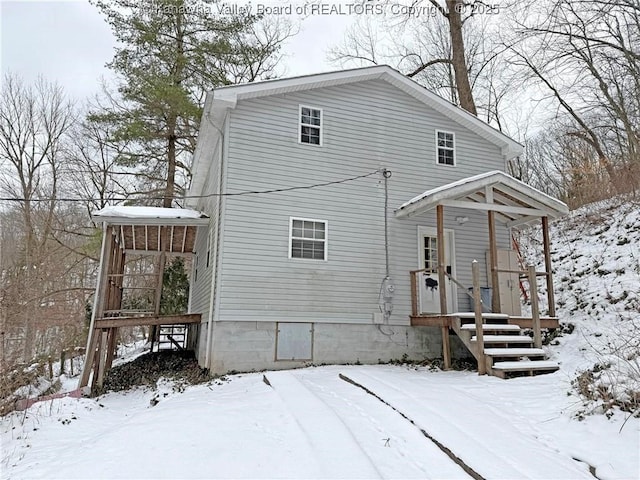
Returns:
(530, 274)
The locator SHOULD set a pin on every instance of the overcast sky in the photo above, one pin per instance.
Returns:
(69, 42)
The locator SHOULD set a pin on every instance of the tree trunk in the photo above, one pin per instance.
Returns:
(169, 191)
(463, 85)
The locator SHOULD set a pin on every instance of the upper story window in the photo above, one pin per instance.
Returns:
(308, 239)
(310, 125)
(446, 147)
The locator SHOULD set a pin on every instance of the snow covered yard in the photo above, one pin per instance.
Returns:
(309, 423)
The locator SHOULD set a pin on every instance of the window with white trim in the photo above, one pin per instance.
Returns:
(446, 147)
(308, 239)
(310, 125)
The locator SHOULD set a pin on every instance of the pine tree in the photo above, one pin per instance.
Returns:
(170, 53)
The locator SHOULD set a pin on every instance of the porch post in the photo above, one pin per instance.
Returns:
(446, 349)
(493, 261)
(547, 266)
(98, 302)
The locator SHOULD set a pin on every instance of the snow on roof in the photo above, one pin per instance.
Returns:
(114, 213)
(468, 186)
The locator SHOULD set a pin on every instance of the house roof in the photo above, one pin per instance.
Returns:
(221, 99)
(514, 201)
(147, 230)
(155, 215)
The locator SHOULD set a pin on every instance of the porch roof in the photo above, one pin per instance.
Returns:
(515, 202)
(149, 230)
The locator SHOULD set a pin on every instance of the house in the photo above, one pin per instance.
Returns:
(343, 213)
(350, 171)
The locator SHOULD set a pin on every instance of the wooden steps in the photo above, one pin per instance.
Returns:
(505, 339)
(506, 350)
(514, 352)
(486, 327)
(521, 368)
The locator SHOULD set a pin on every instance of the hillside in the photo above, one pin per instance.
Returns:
(596, 262)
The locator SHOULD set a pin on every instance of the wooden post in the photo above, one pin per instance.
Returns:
(477, 308)
(414, 293)
(441, 259)
(112, 343)
(535, 311)
(493, 261)
(98, 302)
(547, 266)
(446, 349)
(153, 331)
(102, 358)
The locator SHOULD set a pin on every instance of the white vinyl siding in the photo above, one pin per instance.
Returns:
(307, 239)
(372, 125)
(310, 125)
(446, 147)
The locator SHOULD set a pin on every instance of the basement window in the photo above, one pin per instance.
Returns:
(307, 239)
(446, 147)
(310, 125)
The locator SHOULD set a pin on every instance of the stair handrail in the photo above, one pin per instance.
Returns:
(414, 292)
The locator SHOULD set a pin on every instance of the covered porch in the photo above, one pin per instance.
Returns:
(507, 202)
(129, 234)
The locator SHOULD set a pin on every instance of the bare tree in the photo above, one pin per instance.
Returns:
(586, 55)
(448, 47)
(33, 123)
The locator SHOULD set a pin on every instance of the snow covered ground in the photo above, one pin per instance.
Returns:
(596, 261)
(311, 423)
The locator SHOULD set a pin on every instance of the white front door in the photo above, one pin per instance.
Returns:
(428, 282)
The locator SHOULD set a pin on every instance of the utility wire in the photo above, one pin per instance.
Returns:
(236, 194)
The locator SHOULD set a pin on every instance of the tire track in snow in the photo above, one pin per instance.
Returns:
(513, 451)
(410, 445)
(470, 471)
(334, 444)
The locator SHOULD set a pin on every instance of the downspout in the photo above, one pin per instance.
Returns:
(214, 245)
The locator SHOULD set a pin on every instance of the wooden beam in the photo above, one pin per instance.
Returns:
(112, 343)
(522, 221)
(527, 322)
(494, 207)
(414, 293)
(150, 320)
(431, 321)
(477, 308)
(441, 259)
(446, 349)
(98, 302)
(493, 263)
(547, 266)
(535, 311)
(102, 358)
(488, 193)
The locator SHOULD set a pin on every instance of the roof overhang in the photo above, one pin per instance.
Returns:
(516, 203)
(153, 230)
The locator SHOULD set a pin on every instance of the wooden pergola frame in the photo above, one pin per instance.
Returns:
(501, 196)
(133, 231)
